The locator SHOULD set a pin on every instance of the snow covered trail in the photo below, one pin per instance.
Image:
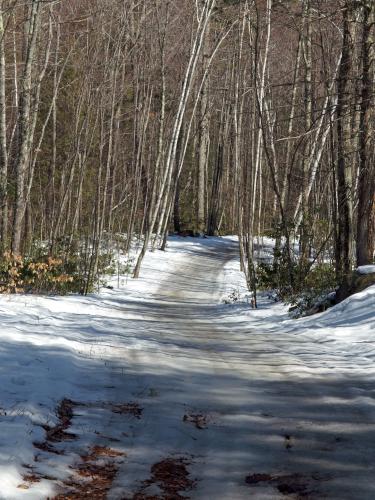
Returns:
(250, 403)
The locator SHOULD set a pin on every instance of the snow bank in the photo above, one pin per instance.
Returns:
(370, 269)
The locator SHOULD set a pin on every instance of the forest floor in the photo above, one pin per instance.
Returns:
(160, 390)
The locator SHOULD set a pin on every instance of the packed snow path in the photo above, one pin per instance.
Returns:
(250, 403)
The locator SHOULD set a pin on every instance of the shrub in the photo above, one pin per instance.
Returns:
(233, 297)
(278, 276)
(319, 284)
(311, 286)
(45, 275)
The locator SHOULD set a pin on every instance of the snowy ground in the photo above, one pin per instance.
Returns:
(250, 403)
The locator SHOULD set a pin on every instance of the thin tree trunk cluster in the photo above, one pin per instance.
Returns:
(125, 120)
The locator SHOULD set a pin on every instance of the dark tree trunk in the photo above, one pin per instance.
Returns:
(344, 149)
(366, 184)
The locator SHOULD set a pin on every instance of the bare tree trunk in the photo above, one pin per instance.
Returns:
(3, 137)
(203, 19)
(25, 124)
(308, 124)
(366, 185)
(204, 136)
(345, 146)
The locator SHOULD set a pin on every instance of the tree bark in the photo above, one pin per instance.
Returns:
(25, 121)
(3, 138)
(204, 136)
(366, 182)
(345, 147)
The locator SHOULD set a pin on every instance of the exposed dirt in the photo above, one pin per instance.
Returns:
(32, 477)
(58, 432)
(258, 478)
(132, 409)
(45, 446)
(28, 480)
(288, 484)
(172, 478)
(92, 478)
(100, 452)
(198, 419)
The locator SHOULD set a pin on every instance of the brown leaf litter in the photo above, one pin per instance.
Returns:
(92, 478)
(199, 420)
(58, 433)
(286, 484)
(171, 476)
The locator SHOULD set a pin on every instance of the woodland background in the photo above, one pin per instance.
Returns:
(122, 120)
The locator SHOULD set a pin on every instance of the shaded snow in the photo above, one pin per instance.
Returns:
(280, 397)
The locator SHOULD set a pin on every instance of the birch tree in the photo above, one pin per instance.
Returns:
(203, 16)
